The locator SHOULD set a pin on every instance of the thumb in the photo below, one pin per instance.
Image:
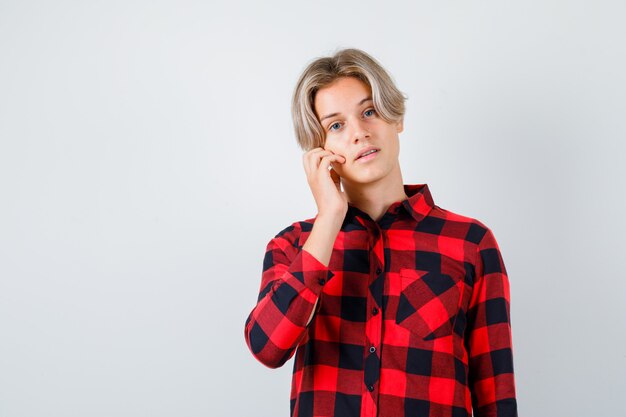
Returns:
(335, 177)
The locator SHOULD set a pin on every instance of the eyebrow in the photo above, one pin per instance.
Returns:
(335, 114)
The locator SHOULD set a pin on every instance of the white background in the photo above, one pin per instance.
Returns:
(147, 156)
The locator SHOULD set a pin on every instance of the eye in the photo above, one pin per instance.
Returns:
(369, 112)
(332, 127)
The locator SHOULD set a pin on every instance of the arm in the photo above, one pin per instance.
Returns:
(292, 279)
(291, 285)
(489, 342)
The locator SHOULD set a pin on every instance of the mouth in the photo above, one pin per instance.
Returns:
(367, 155)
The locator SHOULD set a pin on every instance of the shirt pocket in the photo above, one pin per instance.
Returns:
(429, 303)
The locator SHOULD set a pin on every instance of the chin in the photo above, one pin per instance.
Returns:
(362, 179)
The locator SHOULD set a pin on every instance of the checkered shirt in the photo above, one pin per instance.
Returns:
(412, 316)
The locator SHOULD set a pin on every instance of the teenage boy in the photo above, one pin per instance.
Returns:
(393, 305)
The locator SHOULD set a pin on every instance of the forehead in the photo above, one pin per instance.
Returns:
(341, 95)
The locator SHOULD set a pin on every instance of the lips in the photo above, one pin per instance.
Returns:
(366, 151)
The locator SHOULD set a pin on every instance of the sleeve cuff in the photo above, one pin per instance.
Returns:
(310, 271)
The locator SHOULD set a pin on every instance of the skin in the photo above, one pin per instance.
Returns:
(371, 185)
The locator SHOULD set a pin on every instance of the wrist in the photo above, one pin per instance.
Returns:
(330, 219)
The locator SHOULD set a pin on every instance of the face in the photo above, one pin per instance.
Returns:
(346, 112)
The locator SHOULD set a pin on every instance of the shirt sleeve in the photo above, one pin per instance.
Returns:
(489, 342)
(291, 285)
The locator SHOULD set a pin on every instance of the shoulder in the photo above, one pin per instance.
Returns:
(470, 228)
(292, 234)
(483, 251)
(296, 227)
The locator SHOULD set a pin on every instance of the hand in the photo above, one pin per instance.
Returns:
(325, 184)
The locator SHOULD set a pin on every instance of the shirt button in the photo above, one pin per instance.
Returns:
(322, 281)
(372, 349)
(378, 271)
(374, 311)
(370, 388)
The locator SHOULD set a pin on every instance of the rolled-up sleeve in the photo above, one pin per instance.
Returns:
(291, 284)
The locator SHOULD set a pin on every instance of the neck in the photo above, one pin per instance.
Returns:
(376, 197)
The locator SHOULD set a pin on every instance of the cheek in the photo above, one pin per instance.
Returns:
(334, 149)
(337, 150)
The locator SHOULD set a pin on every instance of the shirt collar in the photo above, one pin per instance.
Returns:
(418, 204)
(419, 201)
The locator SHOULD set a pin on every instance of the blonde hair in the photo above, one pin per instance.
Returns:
(388, 100)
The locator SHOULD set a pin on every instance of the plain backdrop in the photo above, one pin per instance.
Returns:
(147, 156)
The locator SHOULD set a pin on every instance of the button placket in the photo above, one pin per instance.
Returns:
(374, 323)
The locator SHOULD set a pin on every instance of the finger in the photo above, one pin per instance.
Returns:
(326, 160)
(340, 161)
(310, 155)
(315, 158)
(308, 159)
(336, 178)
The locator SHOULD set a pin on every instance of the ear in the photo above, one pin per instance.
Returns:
(400, 125)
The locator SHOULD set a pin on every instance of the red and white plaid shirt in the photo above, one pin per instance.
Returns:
(413, 316)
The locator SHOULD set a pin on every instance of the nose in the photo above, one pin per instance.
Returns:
(359, 130)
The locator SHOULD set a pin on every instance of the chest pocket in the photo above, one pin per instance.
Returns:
(429, 303)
